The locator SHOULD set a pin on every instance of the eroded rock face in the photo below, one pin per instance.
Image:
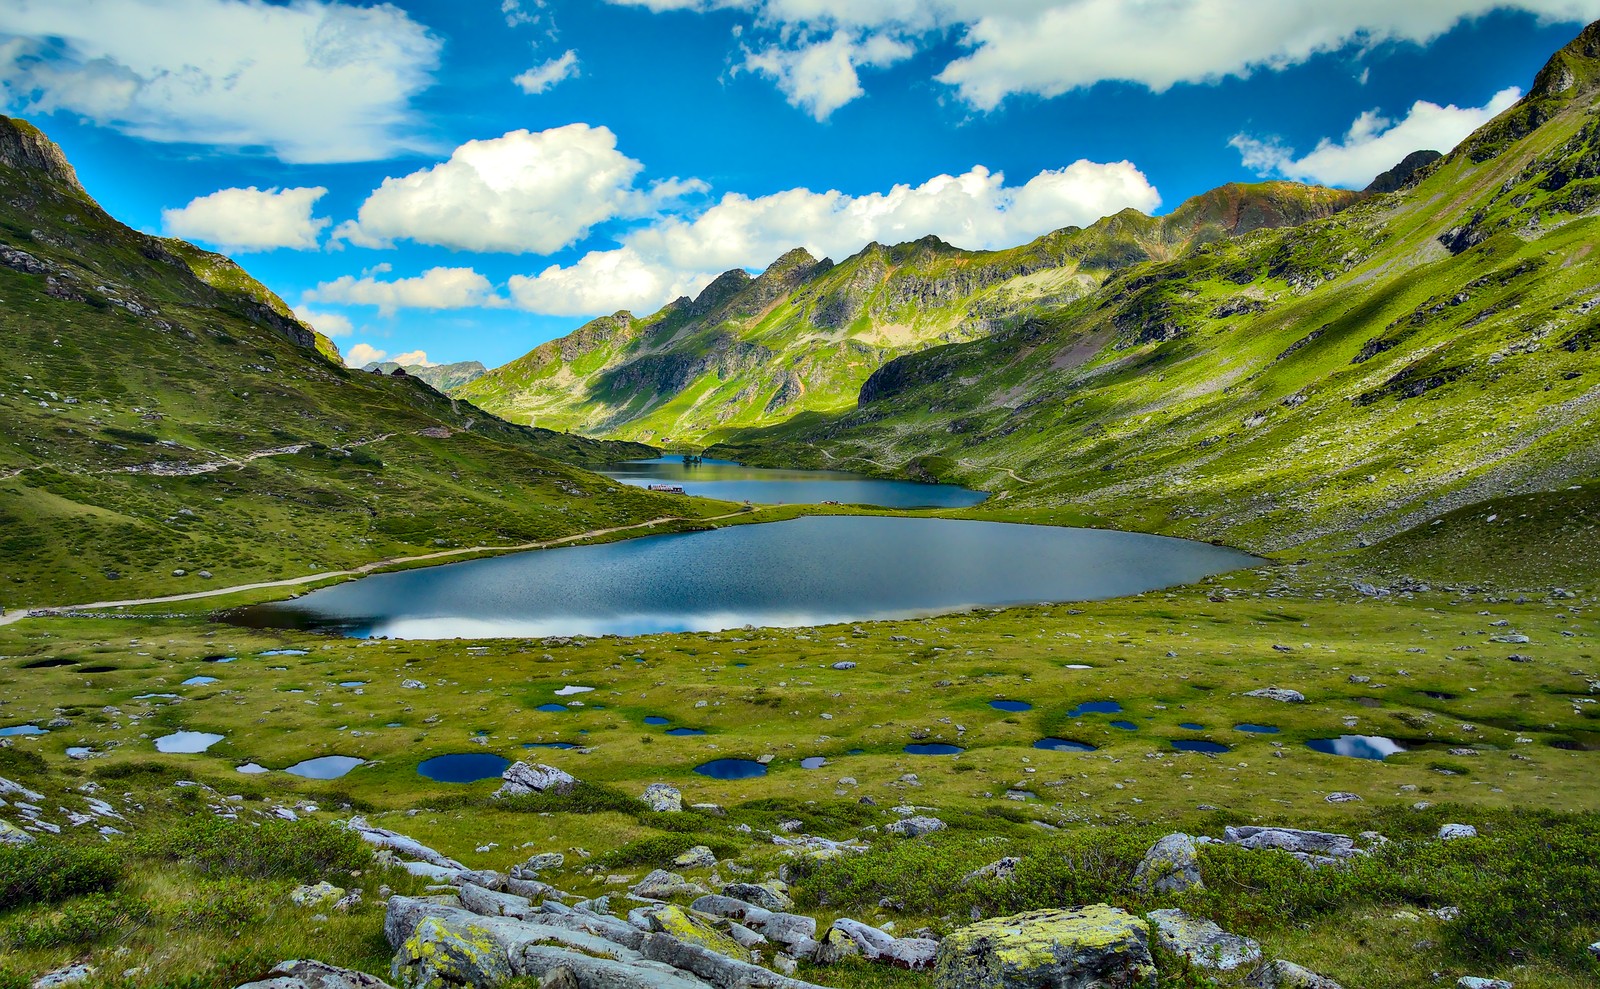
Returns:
(1091, 947)
(1202, 942)
(1170, 866)
(522, 779)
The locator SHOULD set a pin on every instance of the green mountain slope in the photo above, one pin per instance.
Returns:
(443, 377)
(1322, 386)
(160, 410)
(805, 334)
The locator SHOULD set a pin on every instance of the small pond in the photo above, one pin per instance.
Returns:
(1356, 746)
(554, 708)
(1256, 729)
(1011, 705)
(16, 730)
(1199, 745)
(1063, 745)
(251, 769)
(813, 762)
(463, 767)
(352, 683)
(808, 571)
(221, 659)
(1191, 726)
(328, 767)
(188, 742)
(933, 748)
(728, 481)
(1094, 707)
(731, 769)
(1125, 725)
(656, 719)
(284, 652)
(685, 732)
(199, 681)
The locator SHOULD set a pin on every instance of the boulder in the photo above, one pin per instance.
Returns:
(880, 946)
(698, 857)
(1311, 847)
(10, 834)
(662, 798)
(732, 908)
(537, 864)
(522, 779)
(832, 948)
(321, 894)
(488, 903)
(1170, 866)
(1473, 982)
(1091, 947)
(915, 827)
(441, 953)
(1281, 694)
(1203, 943)
(1287, 975)
(401, 845)
(717, 969)
(660, 884)
(791, 930)
(67, 975)
(691, 928)
(307, 974)
(772, 896)
(1450, 832)
(1002, 869)
(545, 962)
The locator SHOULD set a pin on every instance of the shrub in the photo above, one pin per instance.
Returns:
(585, 798)
(51, 870)
(87, 920)
(221, 905)
(286, 850)
(660, 850)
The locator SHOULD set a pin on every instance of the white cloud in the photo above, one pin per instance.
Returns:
(524, 192)
(821, 77)
(1374, 143)
(329, 324)
(1049, 47)
(250, 219)
(541, 77)
(415, 358)
(436, 288)
(308, 80)
(363, 354)
(603, 282)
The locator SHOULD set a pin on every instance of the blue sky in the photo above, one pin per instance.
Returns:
(467, 179)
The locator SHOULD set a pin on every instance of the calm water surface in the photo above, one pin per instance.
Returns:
(809, 571)
(729, 481)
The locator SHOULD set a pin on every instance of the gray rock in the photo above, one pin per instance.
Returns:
(539, 961)
(1281, 694)
(915, 827)
(315, 896)
(10, 834)
(1092, 947)
(1342, 797)
(844, 665)
(1202, 942)
(444, 953)
(1293, 840)
(1287, 975)
(489, 903)
(698, 857)
(68, 975)
(560, 977)
(663, 798)
(522, 779)
(1450, 832)
(1473, 982)
(660, 884)
(1170, 866)
(306, 974)
(789, 929)
(539, 863)
(879, 946)
(735, 909)
(772, 896)
(401, 845)
(1002, 869)
(719, 970)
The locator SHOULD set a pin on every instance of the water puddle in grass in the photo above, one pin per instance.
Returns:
(16, 730)
(1063, 745)
(857, 752)
(1191, 726)
(656, 719)
(731, 769)
(1125, 725)
(220, 659)
(251, 769)
(156, 697)
(1094, 707)
(284, 652)
(187, 742)
(569, 691)
(1077, 666)
(1356, 746)
(328, 767)
(1257, 729)
(79, 752)
(199, 681)
(814, 762)
(1199, 745)
(1011, 705)
(48, 664)
(933, 748)
(548, 745)
(463, 767)
(352, 683)
(685, 732)
(1439, 695)
(553, 708)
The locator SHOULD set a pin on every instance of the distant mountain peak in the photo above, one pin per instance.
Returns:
(24, 146)
(1400, 176)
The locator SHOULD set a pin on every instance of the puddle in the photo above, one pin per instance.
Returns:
(1094, 707)
(548, 745)
(685, 732)
(1077, 666)
(97, 669)
(222, 659)
(1011, 705)
(395, 724)
(187, 742)
(251, 769)
(47, 664)
(1257, 729)
(1356, 746)
(328, 767)
(199, 681)
(154, 697)
(569, 691)
(553, 708)
(284, 652)
(79, 752)
(731, 769)
(933, 748)
(1191, 726)
(1199, 745)
(857, 752)
(464, 767)
(656, 719)
(1063, 745)
(1439, 695)
(352, 683)
(1125, 725)
(814, 762)
(15, 730)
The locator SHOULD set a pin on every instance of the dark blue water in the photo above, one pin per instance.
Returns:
(729, 481)
(1356, 746)
(731, 769)
(809, 571)
(466, 767)
(1191, 726)
(1125, 725)
(656, 719)
(685, 732)
(1257, 729)
(813, 762)
(1094, 707)
(553, 708)
(933, 748)
(1011, 705)
(1063, 745)
(1199, 745)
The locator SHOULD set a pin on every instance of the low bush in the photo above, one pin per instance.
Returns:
(87, 920)
(52, 870)
(285, 850)
(659, 850)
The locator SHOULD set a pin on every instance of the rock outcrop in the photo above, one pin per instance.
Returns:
(1170, 866)
(1091, 947)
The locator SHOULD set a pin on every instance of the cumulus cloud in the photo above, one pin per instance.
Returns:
(436, 288)
(252, 219)
(546, 74)
(329, 324)
(306, 81)
(415, 358)
(1374, 142)
(363, 354)
(524, 192)
(603, 282)
(821, 77)
(1048, 47)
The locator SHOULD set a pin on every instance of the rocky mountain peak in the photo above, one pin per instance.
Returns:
(797, 260)
(23, 146)
(1399, 176)
(1572, 70)
(722, 288)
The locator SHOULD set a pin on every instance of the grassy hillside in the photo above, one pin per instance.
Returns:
(805, 334)
(161, 411)
(1320, 387)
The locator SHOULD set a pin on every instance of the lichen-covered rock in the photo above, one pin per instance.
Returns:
(323, 893)
(687, 927)
(915, 827)
(443, 954)
(833, 947)
(537, 864)
(522, 779)
(660, 884)
(306, 974)
(1170, 866)
(698, 857)
(772, 896)
(1092, 947)
(1302, 844)
(10, 834)
(1280, 974)
(1202, 942)
(662, 798)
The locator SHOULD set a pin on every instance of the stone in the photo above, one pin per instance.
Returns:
(844, 665)
(68, 975)
(10, 834)
(691, 929)
(915, 827)
(1341, 797)
(1280, 974)
(832, 948)
(401, 845)
(772, 896)
(1281, 694)
(489, 903)
(662, 798)
(441, 953)
(660, 884)
(1090, 947)
(539, 863)
(1473, 982)
(735, 909)
(698, 857)
(1304, 845)
(522, 779)
(322, 893)
(305, 974)
(1450, 832)
(788, 929)
(716, 969)
(560, 977)
(1002, 869)
(879, 946)
(1202, 942)
(1172, 865)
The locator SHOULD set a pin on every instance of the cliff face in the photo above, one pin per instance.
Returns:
(806, 334)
